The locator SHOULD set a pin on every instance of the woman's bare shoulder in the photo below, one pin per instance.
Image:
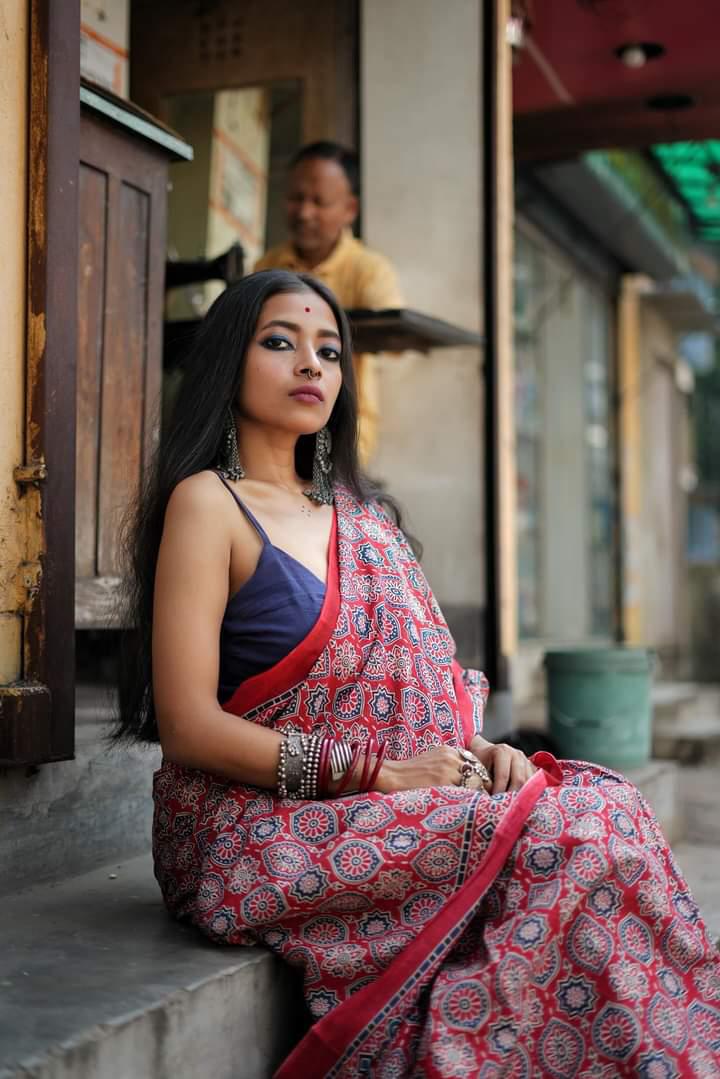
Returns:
(201, 509)
(201, 492)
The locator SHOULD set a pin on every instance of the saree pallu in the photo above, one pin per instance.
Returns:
(441, 931)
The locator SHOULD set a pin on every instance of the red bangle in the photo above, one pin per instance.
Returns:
(378, 765)
(324, 766)
(345, 781)
(370, 747)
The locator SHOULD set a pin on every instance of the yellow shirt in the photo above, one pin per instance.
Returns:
(359, 277)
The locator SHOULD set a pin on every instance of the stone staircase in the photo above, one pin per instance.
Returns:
(96, 982)
(686, 721)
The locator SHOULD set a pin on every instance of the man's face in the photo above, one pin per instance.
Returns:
(320, 204)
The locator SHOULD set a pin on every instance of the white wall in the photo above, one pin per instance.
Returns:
(421, 143)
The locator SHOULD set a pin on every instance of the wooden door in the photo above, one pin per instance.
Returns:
(122, 189)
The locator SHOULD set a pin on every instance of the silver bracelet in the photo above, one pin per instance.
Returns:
(299, 766)
(311, 767)
(282, 770)
(296, 750)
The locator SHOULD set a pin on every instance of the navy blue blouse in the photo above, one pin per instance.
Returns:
(269, 615)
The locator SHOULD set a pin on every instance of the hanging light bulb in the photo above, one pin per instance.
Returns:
(515, 33)
(635, 54)
(518, 25)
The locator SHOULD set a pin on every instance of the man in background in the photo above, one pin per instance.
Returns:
(322, 205)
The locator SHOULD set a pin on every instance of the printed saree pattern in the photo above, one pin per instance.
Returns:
(440, 932)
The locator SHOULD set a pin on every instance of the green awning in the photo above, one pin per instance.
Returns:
(693, 171)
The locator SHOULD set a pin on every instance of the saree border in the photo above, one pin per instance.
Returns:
(464, 703)
(342, 1030)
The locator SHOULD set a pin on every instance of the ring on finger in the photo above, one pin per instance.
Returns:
(471, 766)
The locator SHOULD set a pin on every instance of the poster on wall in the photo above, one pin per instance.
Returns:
(104, 33)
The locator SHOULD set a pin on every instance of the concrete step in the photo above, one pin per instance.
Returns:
(686, 721)
(691, 738)
(684, 700)
(60, 820)
(673, 700)
(97, 982)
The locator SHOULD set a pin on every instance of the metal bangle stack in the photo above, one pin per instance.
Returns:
(298, 766)
(340, 759)
(310, 768)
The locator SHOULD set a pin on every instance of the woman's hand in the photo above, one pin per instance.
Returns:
(438, 767)
(509, 767)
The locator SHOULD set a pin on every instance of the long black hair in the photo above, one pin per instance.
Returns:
(212, 377)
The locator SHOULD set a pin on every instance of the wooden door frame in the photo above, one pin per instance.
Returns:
(37, 714)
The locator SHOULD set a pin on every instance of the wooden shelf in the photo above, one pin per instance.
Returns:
(399, 328)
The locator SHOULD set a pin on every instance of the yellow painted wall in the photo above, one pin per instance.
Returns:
(630, 421)
(13, 186)
(654, 452)
(505, 345)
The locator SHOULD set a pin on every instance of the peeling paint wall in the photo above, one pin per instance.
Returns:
(13, 187)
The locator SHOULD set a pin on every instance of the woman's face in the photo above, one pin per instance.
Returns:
(292, 370)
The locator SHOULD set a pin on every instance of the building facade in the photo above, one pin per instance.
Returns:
(433, 152)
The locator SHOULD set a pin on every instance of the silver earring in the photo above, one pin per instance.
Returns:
(229, 460)
(321, 491)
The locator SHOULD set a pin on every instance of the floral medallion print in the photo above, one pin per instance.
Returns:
(584, 954)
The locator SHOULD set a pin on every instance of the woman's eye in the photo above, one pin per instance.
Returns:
(277, 344)
(329, 353)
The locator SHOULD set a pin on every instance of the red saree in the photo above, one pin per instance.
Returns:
(440, 932)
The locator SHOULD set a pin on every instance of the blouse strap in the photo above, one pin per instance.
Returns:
(248, 513)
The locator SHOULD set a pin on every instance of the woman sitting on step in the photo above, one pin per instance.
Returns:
(455, 908)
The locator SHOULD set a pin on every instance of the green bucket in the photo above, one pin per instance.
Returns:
(599, 704)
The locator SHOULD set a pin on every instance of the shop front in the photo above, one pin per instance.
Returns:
(566, 451)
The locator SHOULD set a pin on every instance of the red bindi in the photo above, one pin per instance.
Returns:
(307, 310)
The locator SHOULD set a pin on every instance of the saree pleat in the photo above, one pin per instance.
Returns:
(440, 932)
